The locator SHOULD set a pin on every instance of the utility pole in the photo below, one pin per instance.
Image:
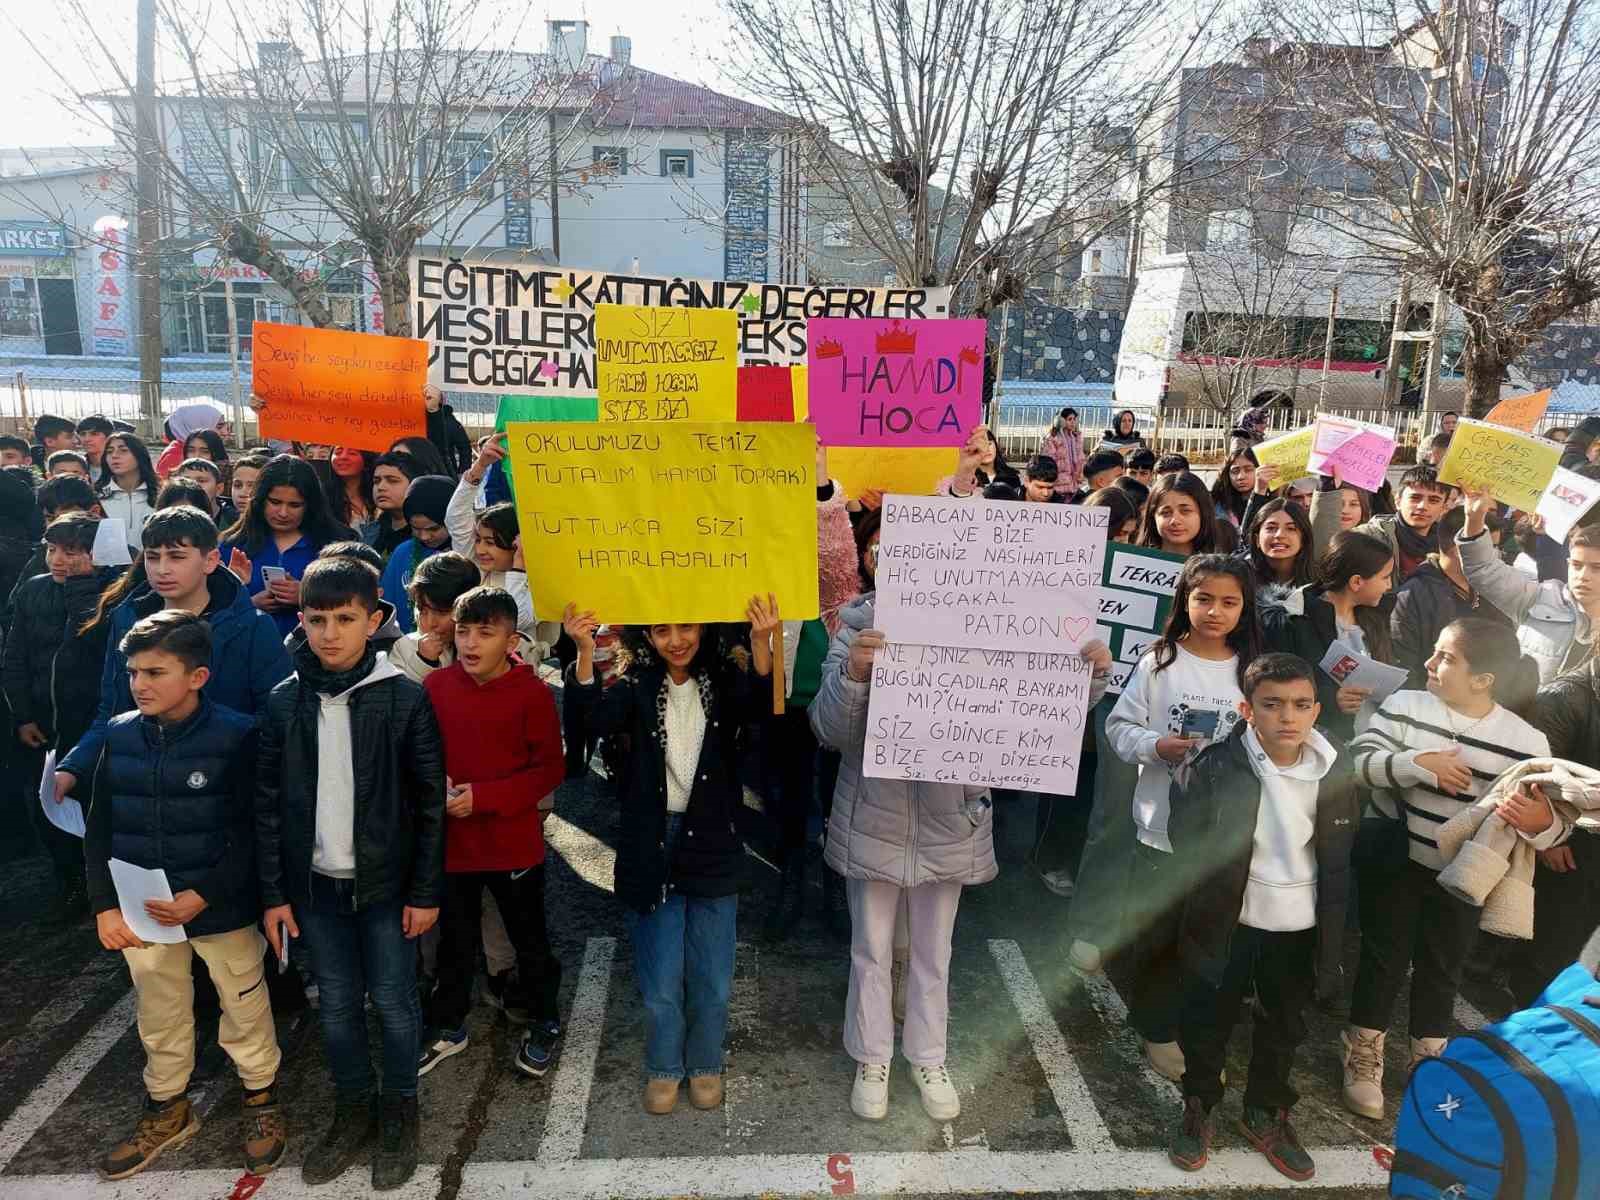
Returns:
(146, 230)
(555, 192)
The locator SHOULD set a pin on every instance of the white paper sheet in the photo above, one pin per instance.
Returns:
(1350, 669)
(135, 885)
(111, 544)
(68, 815)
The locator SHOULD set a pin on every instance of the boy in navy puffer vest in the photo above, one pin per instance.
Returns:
(173, 790)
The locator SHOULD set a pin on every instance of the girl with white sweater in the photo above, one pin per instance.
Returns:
(1184, 693)
(1428, 755)
(491, 537)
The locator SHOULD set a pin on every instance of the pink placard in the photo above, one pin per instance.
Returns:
(1362, 460)
(884, 382)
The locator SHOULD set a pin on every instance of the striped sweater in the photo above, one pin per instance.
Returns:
(1414, 723)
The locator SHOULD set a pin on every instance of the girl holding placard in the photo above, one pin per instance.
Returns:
(1183, 695)
(686, 709)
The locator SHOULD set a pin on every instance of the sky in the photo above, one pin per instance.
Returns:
(681, 38)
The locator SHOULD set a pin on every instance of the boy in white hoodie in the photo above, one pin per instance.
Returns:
(1261, 827)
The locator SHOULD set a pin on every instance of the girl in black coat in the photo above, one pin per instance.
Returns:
(683, 705)
(1350, 602)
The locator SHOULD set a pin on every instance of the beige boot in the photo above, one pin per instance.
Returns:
(1422, 1048)
(1363, 1071)
(898, 970)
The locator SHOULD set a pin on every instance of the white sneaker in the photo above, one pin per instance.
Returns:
(897, 983)
(1085, 958)
(1166, 1058)
(869, 1097)
(939, 1098)
(1060, 882)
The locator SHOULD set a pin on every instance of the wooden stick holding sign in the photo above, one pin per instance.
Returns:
(780, 689)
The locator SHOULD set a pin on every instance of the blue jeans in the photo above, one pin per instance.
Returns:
(359, 954)
(683, 954)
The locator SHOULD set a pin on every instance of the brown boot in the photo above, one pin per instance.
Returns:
(660, 1096)
(705, 1091)
(266, 1137)
(163, 1125)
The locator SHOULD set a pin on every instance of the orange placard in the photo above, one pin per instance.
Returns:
(1520, 412)
(338, 388)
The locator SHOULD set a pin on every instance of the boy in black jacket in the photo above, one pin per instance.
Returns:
(171, 791)
(350, 843)
(1261, 828)
(52, 674)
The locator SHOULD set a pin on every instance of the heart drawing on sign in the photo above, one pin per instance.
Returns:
(1073, 628)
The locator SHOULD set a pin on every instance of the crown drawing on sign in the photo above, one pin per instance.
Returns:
(970, 355)
(897, 339)
(829, 348)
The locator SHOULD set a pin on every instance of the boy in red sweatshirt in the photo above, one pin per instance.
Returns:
(502, 755)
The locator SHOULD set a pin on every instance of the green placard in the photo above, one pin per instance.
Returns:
(543, 408)
(1135, 598)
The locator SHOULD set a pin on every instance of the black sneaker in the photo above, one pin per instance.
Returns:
(394, 1162)
(354, 1123)
(438, 1045)
(1269, 1131)
(538, 1048)
(1191, 1140)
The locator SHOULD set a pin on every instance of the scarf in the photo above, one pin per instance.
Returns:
(331, 683)
(1412, 546)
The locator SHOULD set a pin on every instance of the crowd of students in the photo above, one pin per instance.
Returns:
(313, 699)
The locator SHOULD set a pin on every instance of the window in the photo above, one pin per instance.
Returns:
(836, 233)
(467, 164)
(1364, 140)
(318, 150)
(677, 163)
(1210, 147)
(1228, 230)
(1094, 262)
(610, 160)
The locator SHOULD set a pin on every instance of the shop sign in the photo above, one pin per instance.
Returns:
(33, 237)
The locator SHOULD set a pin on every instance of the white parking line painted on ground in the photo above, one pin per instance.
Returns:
(580, 1050)
(1084, 1123)
(66, 1003)
(160, 1183)
(64, 1078)
(957, 1172)
(744, 1021)
(1109, 1006)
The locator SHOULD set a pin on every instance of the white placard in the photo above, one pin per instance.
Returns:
(995, 718)
(1565, 502)
(1128, 608)
(1143, 574)
(992, 574)
(66, 816)
(135, 885)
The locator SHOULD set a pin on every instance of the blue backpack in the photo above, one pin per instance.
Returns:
(1511, 1112)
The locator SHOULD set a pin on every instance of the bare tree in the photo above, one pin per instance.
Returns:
(1468, 136)
(944, 129)
(344, 132)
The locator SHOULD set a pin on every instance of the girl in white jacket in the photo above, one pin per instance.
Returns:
(129, 495)
(1184, 693)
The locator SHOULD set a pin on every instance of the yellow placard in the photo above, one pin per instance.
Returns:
(666, 364)
(798, 376)
(892, 470)
(1515, 467)
(671, 522)
(1290, 453)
